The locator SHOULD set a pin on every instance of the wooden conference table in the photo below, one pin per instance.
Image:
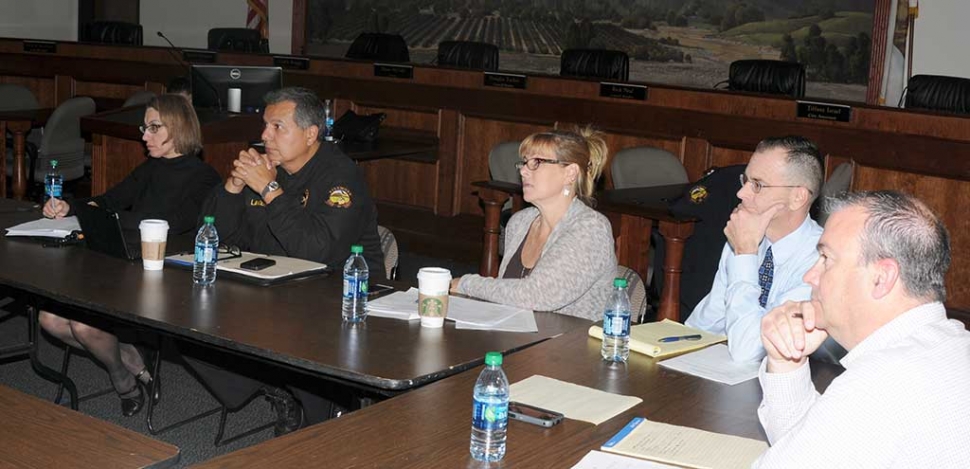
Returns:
(632, 213)
(296, 324)
(430, 427)
(39, 434)
(19, 123)
(117, 147)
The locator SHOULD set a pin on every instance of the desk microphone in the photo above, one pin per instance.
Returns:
(192, 71)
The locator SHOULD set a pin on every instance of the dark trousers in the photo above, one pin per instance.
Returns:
(220, 373)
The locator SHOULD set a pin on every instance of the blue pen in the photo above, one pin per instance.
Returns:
(681, 337)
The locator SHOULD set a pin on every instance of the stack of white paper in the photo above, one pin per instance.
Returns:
(714, 363)
(465, 312)
(46, 228)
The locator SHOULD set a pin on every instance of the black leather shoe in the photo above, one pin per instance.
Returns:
(289, 412)
(132, 405)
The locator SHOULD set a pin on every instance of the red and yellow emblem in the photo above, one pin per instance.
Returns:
(698, 194)
(340, 197)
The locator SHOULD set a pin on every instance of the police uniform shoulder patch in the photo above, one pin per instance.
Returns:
(698, 194)
(340, 197)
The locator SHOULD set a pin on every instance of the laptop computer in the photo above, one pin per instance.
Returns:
(103, 233)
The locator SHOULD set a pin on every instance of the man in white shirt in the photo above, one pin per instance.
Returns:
(770, 244)
(877, 289)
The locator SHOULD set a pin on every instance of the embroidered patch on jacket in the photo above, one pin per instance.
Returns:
(698, 194)
(256, 203)
(305, 198)
(340, 197)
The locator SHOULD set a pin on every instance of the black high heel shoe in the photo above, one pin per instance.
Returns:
(132, 405)
(152, 385)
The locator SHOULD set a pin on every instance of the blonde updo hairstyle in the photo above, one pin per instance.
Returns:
(584, 147)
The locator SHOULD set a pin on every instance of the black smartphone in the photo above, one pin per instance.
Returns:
(534, 415)
(258, 263)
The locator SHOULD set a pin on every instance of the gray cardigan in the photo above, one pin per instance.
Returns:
(574, 273)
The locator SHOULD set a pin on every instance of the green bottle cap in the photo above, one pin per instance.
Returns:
(209, 219)
(53, 163)
(493, 358)
(619, 282)
(356, 249)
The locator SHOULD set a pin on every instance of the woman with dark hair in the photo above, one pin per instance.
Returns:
(559, 253)
(170, 186)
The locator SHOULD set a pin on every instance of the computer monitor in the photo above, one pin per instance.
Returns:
(211, 84)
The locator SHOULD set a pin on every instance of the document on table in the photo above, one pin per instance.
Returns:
(684, 446)
(46, 228)
(398, 305)
(467, 313)
(714, 363)
(647, 338)
(600, 460)
(285, 266)
(572, 400)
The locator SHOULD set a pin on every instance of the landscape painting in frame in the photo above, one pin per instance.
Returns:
(678, 42)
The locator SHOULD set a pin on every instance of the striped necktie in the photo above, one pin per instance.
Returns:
(765, 275)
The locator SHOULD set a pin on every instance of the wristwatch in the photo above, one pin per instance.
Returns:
(272, 186)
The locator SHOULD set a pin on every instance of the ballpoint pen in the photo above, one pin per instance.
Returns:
(678, 338)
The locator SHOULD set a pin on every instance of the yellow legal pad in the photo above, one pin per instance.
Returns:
(645, 338)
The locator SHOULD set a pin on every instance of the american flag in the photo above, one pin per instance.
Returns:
(258, 16)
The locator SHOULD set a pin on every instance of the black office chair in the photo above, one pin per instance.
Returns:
(767, 77)
(379, 47)
(237, 40)
(111, 32)
(468, 54)
(938, 93)
(595, 63)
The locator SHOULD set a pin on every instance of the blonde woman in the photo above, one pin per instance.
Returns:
(559, 253)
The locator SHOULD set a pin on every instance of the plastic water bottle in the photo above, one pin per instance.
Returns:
(206, 253)
(356, 275)
(616, 324)
(53, 182)
(328, 121)
(490, 412)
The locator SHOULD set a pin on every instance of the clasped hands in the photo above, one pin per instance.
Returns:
(789, 334)
(251, 169)
(745, 229)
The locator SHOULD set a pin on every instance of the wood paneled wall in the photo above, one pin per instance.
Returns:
(922, 153)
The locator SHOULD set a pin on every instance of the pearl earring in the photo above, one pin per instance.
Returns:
(565, 191)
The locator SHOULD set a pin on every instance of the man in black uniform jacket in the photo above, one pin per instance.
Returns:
(315, 208)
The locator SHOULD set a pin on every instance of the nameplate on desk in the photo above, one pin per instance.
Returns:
(824, 111)
(623, 91)
(48, 47)
(199, 56)
(291, 63)
(394, 71)
(505, 80)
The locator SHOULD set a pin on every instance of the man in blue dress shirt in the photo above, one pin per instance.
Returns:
(770, 244)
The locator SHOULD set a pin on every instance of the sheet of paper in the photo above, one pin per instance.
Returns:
(398, 305)
(714, 363)
(481, 313)
(524, 321)
(46, 227)
(684, 446)
(572, 400)
(465, 312)
(600, 460)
